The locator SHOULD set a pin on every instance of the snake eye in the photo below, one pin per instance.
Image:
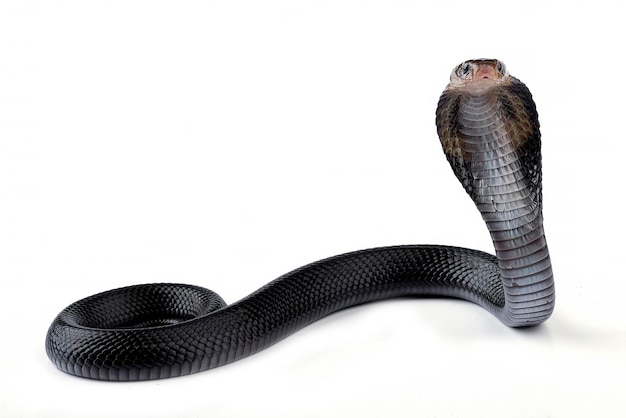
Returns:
(501, 68)
(463, 70)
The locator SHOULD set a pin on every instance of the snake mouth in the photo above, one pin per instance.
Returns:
(487, 71)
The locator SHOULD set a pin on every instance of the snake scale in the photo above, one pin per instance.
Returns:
(489, 131)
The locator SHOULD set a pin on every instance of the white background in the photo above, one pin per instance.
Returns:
(223, 143)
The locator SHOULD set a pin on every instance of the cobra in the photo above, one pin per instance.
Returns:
(489, 130)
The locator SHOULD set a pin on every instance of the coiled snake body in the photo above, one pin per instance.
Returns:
(489, 131)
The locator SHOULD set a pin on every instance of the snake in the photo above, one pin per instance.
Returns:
(488, 126)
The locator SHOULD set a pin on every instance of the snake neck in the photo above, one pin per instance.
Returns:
(492, 142)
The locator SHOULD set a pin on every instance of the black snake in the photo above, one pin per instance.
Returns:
(488, 126)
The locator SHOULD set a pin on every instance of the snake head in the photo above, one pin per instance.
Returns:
(478, 75)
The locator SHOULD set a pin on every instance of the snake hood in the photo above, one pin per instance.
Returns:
(484, 117)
